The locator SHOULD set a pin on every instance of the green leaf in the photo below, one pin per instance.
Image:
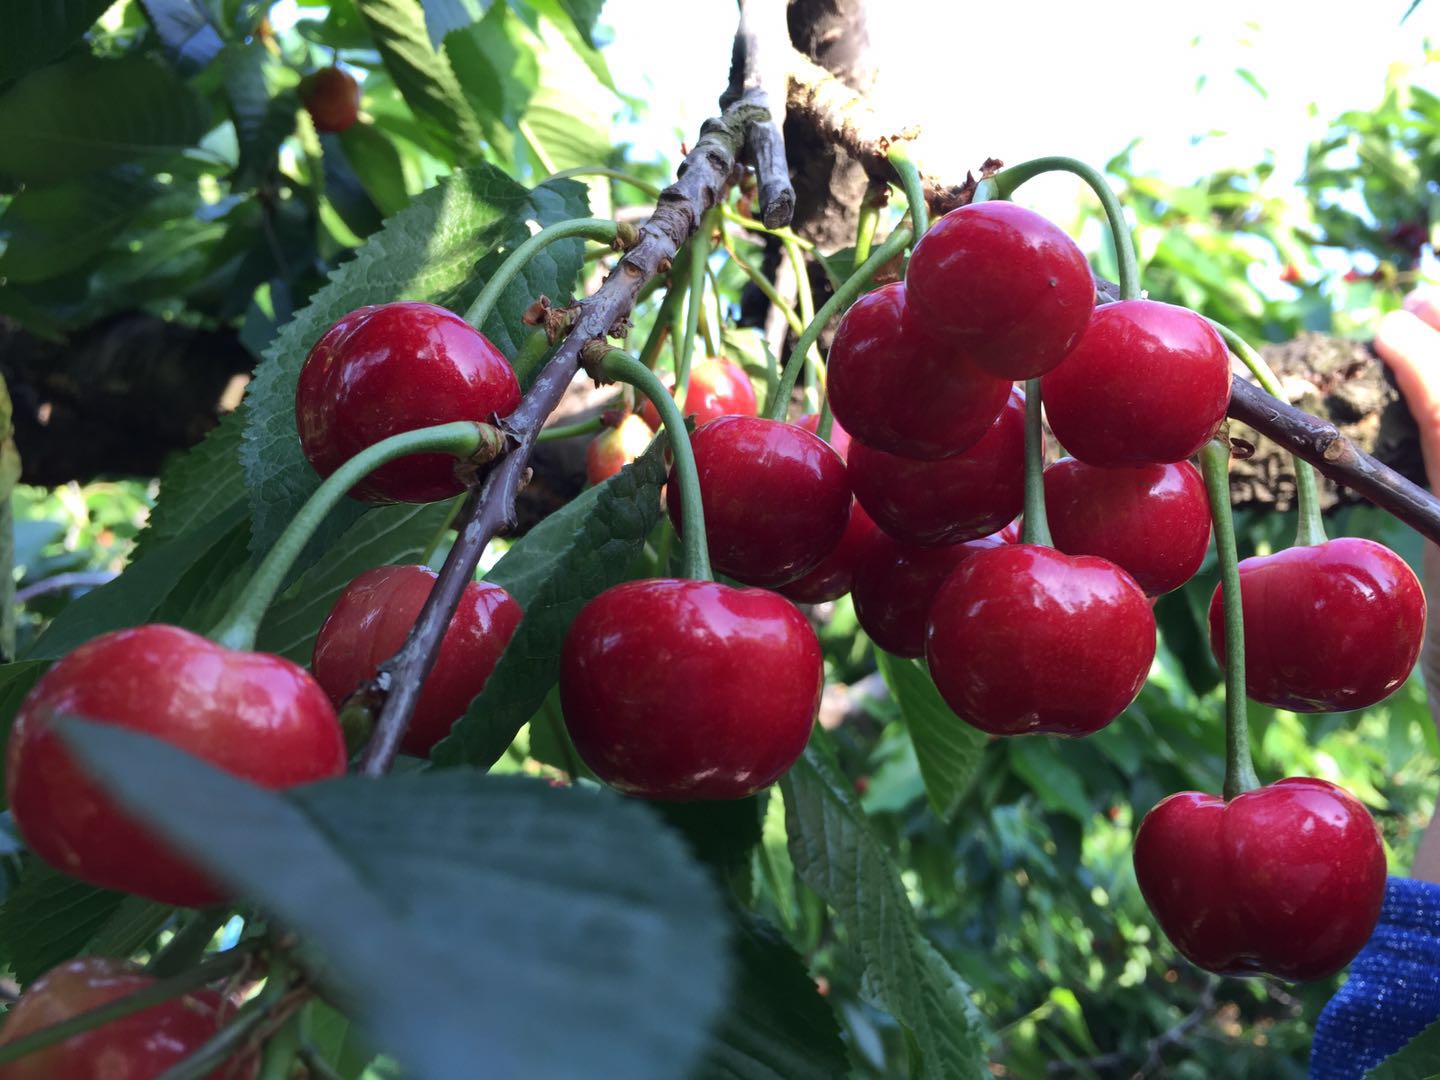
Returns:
(198, 486)
(777, 1024)
(495, 61)
(390, 534)
(422, 75)
(1418, 1059)
(582, 15)
(16, 680)
(87, 114)
(420, 891)
(48, 918)
(50, 230)
(162, 574)
(36, 33)
(376, 162)
(262, 121)
(441, 248)
(838, 855)
(948, 749)
(189, 39)
(132, 926)
(1036, 761)
(552, 572)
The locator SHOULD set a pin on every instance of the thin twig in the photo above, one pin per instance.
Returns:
(758, 68)
(703, 176)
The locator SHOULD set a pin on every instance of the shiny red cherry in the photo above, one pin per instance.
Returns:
(776, 498)
(835, 576)
(944, 502)
(899, 387)
(332, 98)
(718, 387)
(256, 716)
(1286, 880)
(370, 622)
(383, 370)
(896, 582)
(839, 439)
(1026, 639)
(1147, 384)
(689, 689)
(1328, 627)
(1010, 287)
(1152, 520)
(616, 447)
(135, 1047)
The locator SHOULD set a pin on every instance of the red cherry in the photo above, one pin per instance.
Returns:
(899, 387)
(613, 449)
(895, 583)
(1027, 639)
(135, 1047)
(1012, 288)
(839, 439)
(370, 622)
(1152, 521)
(332, 98)
(1148, 384)
(1328, 628)
(776, 499)
(718, 387)
(835, 576)
(943, 502)
(256, 716)
(380, 371)
(1286, 880)
(689, 689)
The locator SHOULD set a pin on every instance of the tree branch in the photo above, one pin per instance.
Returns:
(758, 64)
(702, 178)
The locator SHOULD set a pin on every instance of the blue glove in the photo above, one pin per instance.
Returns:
(1393, 991)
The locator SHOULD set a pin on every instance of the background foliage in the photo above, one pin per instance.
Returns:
(158, 158)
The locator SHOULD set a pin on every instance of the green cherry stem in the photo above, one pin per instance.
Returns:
(849, 291)
(1239, 768)
(623, 367)
(766, 287)
(665, 316)
(1310, 529)
(901, 162)
(463, 439)
(805, 296)
(593, 426)
(867, 222)
(227, 963)
(699, 256)
(1006, 181)
(1035, 528)
(599, 229)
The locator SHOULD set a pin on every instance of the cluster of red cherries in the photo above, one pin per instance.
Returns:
(678, 689)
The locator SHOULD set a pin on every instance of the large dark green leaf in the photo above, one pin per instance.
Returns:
(423, 76)
(168, 575)
(50, 917)
(569, 558)
(837, 854)
(36, 33)
(88, 114)
(498, 70)
(462, 918)
(1419, 1059)
(197, 486)
(376, 163)
(777, 1026)
(390, 534)
(50, 230)
(441, 248)
(948, 749)
(262, 120)
(15, 682)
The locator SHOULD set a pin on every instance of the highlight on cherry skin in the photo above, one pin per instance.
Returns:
(136, 1047)
(391, 368)
(369, 623)
(684, 690)
(256, 716)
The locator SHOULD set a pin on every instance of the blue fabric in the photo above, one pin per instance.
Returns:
(1393, 990)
